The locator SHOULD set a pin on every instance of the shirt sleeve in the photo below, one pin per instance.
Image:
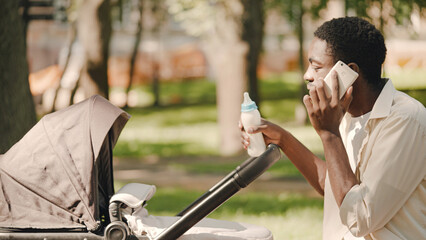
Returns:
(394, 169)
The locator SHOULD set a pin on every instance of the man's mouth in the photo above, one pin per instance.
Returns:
(310, 85)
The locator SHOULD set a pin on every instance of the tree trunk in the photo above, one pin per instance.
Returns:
(17, 112)
(226, 53)
(229, 60)
(156, 83)
(252, 34)
(135, 51)
(72, 39)
(94, 32)
(300, 111)
(158, 11)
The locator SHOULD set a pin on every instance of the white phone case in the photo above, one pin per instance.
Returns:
(346, 77)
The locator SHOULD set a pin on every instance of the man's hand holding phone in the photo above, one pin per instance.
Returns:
(326, 110)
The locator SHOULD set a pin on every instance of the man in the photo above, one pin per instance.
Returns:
(373, 179)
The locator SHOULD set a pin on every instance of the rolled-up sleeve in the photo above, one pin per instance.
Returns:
(394, 168)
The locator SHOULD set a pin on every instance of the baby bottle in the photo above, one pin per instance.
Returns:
(250, 116)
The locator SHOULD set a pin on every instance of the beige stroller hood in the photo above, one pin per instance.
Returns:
(59, 175)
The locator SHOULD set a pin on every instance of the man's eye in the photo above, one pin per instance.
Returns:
(316, 69)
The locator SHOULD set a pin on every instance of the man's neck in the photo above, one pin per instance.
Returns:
(364, 98)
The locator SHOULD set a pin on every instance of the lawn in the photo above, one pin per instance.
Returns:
(287, 216)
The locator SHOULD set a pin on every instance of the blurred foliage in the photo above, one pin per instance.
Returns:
(195, 16)
(387, 12)
(291, 9)
(401, 10)
(398, 11)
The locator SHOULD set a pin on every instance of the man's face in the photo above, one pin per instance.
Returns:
(320, 61)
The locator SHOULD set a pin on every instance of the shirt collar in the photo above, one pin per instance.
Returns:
(383, 104)
(381, 107)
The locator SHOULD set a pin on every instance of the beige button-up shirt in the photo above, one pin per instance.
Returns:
(390, 201)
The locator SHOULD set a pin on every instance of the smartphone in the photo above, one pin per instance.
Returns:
(345, 75)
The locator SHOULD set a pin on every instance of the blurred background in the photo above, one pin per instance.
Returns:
(180, 68)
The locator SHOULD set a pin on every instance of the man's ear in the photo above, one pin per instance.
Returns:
(354, 67)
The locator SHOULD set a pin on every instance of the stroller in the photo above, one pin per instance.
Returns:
(57, 183)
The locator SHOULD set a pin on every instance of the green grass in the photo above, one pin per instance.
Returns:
(281, 169)
(137, 148)
(295, 224)
(284, 114)
(173, 115)
(278, 87)
(288, 216)
(412, 79)
(412, 82)
(172, 201)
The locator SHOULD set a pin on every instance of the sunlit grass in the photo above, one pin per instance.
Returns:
(410, 81)
(295, 224)
(288, 216)
(408, 78)
(281, 169)
(170, 201)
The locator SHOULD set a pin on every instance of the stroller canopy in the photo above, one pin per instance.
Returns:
(59, 175)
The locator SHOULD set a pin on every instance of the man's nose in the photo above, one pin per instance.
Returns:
(308, 76)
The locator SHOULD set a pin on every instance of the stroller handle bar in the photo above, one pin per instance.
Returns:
(241, 177)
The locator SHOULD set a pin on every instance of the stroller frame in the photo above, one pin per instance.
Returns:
(239, 178)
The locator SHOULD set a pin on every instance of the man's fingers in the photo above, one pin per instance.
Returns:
(245, 139)
(321, 90)
(335, 88)
(308, 103)
(347, 99)
(255, 129)
(314, 98)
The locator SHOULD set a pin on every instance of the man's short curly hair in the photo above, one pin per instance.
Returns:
(352, 39)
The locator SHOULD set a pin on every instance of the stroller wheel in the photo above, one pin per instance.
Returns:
(117, 231)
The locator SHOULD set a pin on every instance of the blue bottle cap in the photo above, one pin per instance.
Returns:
(248, 105)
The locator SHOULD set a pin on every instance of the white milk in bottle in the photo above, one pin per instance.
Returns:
(250, 116)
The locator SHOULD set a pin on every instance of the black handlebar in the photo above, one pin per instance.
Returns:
(241, 177)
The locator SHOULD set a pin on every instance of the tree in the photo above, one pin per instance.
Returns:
(72, 35)
(295, 12)
(135, 49)
(398, 10)
(252, 34)
(218, 24)
(158, 16)
(17, 112)
(94, 33)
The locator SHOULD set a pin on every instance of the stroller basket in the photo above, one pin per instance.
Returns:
(53, 188)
